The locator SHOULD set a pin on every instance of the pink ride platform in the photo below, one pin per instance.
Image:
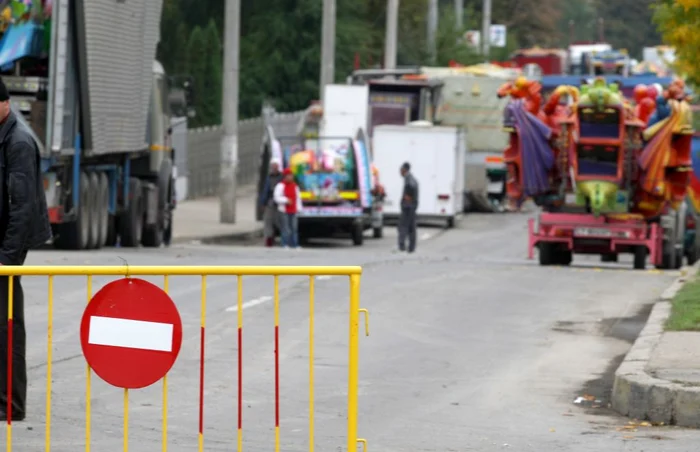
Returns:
(588, 234)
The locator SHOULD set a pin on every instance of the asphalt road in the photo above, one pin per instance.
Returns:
(471, 347)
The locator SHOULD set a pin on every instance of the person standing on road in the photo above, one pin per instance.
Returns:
(24, 224)
(288, 199)
(267, 201)
(409, 206)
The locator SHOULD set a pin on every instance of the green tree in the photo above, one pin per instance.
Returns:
(678, 22)
(196, 64)
(628, 24)
(173, 41)
(211, 97)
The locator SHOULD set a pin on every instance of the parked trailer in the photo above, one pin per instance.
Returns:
(560, 235)
(436, 155)
(100, 112)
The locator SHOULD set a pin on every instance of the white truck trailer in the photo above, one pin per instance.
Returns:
(85, 79)
(436, 155)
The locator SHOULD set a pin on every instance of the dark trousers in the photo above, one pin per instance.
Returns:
(407, 229)
(19, 348)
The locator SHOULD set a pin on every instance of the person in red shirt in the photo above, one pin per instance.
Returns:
(288, 199)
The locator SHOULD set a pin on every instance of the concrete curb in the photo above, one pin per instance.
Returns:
(638, 395)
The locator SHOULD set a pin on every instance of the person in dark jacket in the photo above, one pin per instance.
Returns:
(271, 216)
(409, 206)
(24, 224)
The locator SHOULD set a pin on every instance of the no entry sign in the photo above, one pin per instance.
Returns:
(131, 333)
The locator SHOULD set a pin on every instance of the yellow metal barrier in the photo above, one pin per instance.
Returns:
(353, 273)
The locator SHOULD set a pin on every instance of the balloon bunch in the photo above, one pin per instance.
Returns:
(645, 96)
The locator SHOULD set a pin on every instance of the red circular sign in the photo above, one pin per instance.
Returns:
(131, 333)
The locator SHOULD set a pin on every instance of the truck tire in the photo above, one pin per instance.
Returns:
(94, 211)
(450, 222)
(357, 233)
(378, 233)
(153, 233)
(74, 235)
(103, 209)
(640, 257)
(131, 221)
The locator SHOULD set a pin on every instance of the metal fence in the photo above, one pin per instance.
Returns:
(204, 152)
(82, 435)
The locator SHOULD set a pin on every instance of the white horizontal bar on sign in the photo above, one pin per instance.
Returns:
(131, 334)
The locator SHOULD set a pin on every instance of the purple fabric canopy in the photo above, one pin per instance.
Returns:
(536, 156)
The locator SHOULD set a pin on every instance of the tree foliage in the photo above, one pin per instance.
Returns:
(679, 24)
(281, 41)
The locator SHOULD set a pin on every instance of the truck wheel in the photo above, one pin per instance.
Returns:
(546, 253)
(358, 236)
(450, 222)
(132, 220)
(640, 257)
(112, 228)
(153, 233)
(378, 233)
(93, 211)
(103, 209)
(74, 235)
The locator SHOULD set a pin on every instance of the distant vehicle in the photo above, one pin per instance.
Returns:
(436, 155)
(100, 109)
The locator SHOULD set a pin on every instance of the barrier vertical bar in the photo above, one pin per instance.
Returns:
(166, 288)
(353, 361)
(10, 334)
(49, 360)
(126, 420)
(277, 364)
(88, 383)
(311, 362)
(240, 362)
(201, 363)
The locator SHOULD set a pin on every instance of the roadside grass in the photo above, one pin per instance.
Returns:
(685, 308)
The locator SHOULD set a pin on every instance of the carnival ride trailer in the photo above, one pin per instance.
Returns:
(560, 235)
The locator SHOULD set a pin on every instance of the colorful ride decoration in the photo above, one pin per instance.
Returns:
(601, 150)
(325, 174)
(616, 156)
(665, 161)
(537, 155)
(26, 30)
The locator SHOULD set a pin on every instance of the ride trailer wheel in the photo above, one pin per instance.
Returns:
(546, 253)
(640, 257)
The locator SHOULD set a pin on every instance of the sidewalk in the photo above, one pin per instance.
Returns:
(659, 379)
(198, 219)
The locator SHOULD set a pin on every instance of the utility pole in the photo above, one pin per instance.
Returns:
(229, 107)
(392, 31)
(486, 30)
(459, 14)
(327, 46)
(432, 29)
